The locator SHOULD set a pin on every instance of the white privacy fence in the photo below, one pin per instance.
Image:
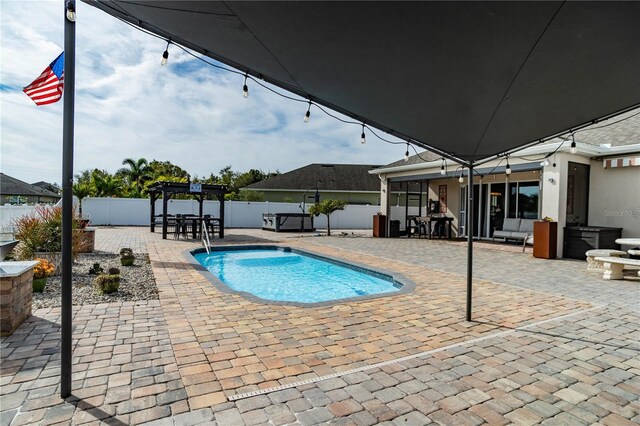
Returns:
(238, 214)
(9, 213)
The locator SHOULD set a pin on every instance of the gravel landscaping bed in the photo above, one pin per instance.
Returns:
(136, 282)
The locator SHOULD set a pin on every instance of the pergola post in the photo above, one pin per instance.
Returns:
(153, 196)
(165, 202)
(469, 241)
(221, 199)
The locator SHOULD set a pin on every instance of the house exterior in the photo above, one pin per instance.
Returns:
(15, 191)
(349, 182)
(597, 184)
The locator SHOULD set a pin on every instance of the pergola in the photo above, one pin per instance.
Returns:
(199, 190)
(470, 81)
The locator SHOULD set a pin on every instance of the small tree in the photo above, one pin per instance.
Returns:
(326, 207)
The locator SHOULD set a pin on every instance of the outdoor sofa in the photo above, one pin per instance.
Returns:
(516, 229)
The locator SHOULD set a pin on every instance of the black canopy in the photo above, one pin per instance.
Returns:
(467, 79)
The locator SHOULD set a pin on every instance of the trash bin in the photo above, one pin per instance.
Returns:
(394, 228)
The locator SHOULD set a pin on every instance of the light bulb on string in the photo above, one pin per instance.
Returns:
(71, 11)
(508, 169)
(442, 170)
(545, 162)
(461, 178)
(363, 138)
(165, 54)
(307, 115)
(406, 154)
(245, 88)
(573, 148)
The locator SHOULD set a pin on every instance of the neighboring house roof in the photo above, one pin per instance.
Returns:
(12, 186)
(47, 186)
(324, 177)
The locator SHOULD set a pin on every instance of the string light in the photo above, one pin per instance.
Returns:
(545, 162)
(308, 113)
(71, 11)
(508, 169)
(363, 138)
(245, 88)
(406, 154)
(573, 149)
(246, 94)
(165, 55)
(461, 178)
(442, 170)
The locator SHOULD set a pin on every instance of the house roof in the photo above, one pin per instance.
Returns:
(622, 130)
(12, 186)
(324, 177)
(618, 131)
(46, 185)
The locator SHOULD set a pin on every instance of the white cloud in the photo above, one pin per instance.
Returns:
(127, 105)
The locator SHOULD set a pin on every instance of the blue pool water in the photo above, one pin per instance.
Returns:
(291, 276)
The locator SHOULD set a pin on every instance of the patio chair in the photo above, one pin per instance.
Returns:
(183, 227)
(416, 226)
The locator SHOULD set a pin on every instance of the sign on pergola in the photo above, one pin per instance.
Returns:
(199, 190)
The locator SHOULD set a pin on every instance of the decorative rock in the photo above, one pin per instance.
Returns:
(135, 283)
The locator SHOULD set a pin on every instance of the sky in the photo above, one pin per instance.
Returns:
(129, 106)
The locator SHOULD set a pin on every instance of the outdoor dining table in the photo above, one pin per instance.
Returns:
(635, 242)
(628, 241)
(441, 220)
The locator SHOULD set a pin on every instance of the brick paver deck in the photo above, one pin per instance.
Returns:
(550, 343)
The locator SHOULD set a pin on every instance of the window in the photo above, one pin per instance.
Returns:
(524, 198)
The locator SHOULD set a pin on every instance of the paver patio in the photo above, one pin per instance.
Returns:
(550, 343)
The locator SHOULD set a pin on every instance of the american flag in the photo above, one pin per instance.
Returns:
(47, 88)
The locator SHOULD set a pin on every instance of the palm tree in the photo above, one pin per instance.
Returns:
(136, 174)
(107, 185)
(326, 207)
(81, 190)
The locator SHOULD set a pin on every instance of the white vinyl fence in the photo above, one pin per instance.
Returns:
(9, 213)
(238, 214)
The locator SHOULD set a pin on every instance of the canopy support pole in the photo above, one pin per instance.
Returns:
(66, 331)
(470, 220)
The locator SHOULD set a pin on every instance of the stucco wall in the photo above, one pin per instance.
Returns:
(615, 198)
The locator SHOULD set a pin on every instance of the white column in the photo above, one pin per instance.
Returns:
(384, 195)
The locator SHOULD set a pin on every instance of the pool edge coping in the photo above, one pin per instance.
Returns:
(407, 285)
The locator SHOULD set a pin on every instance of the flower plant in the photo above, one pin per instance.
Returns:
(43, 269)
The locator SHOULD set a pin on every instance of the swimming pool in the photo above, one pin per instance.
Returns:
(281, 274)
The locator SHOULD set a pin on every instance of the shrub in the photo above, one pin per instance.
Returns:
(107, 284)
(126, 251)
(127, 260)
(114, 271)
(96, 269)
(41, 231)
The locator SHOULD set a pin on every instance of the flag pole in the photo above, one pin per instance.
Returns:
(67, 198)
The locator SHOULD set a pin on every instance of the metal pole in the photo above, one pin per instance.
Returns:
(67, 201)
(469, 241)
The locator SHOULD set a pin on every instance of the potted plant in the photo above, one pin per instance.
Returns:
(41, 271)
(107, 284)
(126, 257)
